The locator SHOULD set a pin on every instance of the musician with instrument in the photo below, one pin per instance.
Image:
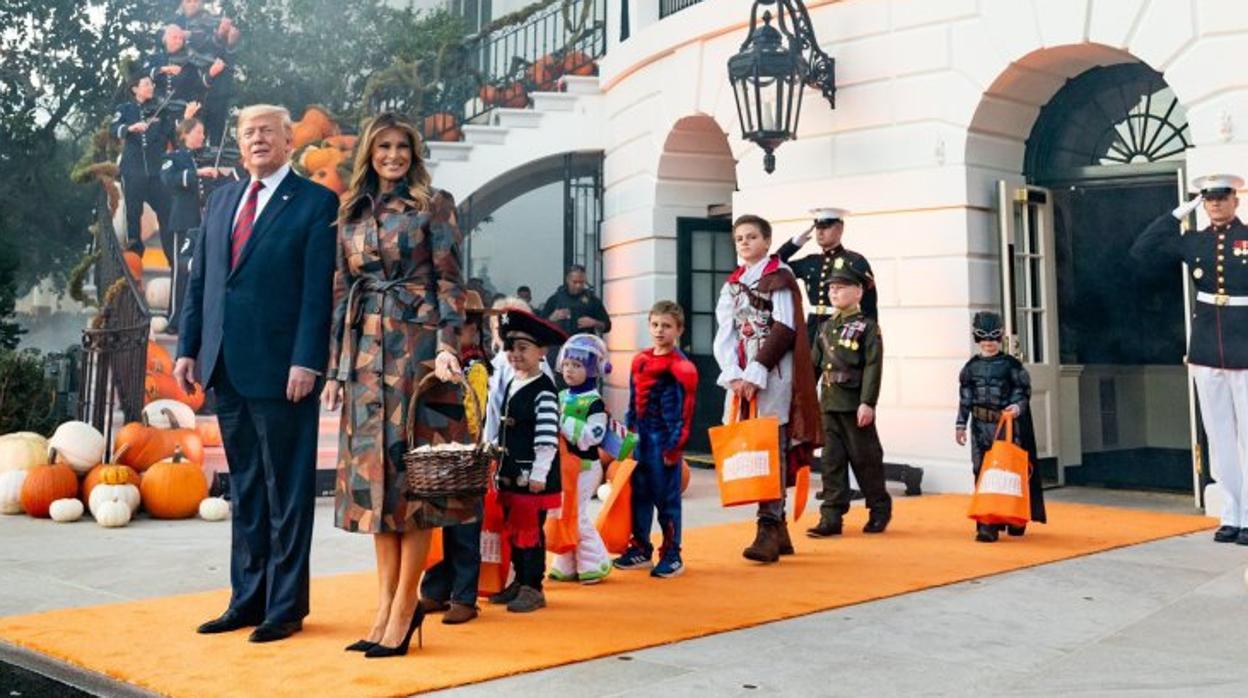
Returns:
(181, 75)
(184, 179)
(211, 36)
(145, 136)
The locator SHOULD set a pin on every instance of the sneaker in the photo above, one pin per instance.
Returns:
(527, 600)
(670, 565)
(557, 576)
(506, 595)
(595, 576)
(633, 559)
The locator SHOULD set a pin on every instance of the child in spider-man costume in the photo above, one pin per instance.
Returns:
(662, 388)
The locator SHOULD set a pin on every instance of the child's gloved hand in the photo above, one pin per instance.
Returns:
(1013, 410)
(959, 435)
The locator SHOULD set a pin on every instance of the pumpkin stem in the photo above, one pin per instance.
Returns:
(173, 421)
(177, 454)
(51, 454)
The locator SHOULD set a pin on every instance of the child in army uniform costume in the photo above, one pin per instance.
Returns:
(849, 356)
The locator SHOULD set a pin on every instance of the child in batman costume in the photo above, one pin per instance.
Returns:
(992, 383)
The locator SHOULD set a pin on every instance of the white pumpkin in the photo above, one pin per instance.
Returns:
(156, 413)
(78, 444)
(112, 514)
(160, 323)
(22, 450)
(11, 491)
(157, 293)
(66, 510)
(125, 493)
(214, 509)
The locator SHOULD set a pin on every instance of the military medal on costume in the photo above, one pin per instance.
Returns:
(1240, 248)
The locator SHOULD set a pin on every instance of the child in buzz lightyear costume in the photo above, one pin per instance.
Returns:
(583, 426)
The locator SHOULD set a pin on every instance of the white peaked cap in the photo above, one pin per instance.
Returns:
(1218, 181)
(829, 213)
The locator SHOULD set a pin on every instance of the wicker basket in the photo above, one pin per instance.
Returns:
(451, 473)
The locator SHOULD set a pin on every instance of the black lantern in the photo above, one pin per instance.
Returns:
(769, 72)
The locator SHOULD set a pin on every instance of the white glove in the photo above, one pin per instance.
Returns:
(1186, 209)
(801, 239)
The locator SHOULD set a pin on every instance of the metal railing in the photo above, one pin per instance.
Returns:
(501, 69)
(671, 7)
(114, 358)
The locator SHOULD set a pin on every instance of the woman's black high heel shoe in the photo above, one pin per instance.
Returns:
(361, 646)
(380, 650)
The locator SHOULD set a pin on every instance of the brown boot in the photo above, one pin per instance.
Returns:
(786, 543)
(766, 545)
(459, 613)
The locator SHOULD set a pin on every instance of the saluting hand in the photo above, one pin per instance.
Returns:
(804, 238)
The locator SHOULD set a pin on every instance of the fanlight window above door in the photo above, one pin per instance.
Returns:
(1123, 116)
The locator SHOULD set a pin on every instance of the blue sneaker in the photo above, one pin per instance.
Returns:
(632, 559)
(670, 565)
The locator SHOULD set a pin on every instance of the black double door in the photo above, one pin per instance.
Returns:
(704, 259)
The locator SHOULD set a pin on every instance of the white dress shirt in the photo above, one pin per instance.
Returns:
(262, 198)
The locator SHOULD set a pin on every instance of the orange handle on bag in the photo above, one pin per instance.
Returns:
(1006, 421)
(735, 417)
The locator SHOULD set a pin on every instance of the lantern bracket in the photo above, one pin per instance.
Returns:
(822, 66)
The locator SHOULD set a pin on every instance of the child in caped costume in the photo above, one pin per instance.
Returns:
(583, 421)
(663, 386)
(992, 383)
(528, 478)
(764, 359)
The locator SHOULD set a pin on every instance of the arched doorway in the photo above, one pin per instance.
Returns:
(696, 180)
(1107, 152)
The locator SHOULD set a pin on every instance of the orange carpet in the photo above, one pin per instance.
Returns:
(152, 643)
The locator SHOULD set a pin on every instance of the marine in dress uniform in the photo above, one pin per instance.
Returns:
(815, 271)
(849, 357)
(1217, 353)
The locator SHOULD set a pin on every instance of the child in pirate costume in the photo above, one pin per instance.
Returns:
(528, 477)
(992, 383)
(764, 359)
(583, 425)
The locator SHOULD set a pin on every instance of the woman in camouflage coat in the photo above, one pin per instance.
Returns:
(397, 307)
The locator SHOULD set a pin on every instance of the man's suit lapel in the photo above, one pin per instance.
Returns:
(285, 192)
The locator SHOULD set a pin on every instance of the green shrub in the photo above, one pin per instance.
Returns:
(27, 398)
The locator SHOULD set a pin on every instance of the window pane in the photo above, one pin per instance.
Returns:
(703, 334)
(725, 253)
(703, 250)
(703, 293)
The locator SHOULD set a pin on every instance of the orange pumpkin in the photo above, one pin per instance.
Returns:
(577, 63)
(209, 432)
(319, 119)
(513, 96)
(45, 484)
(107, 474)
(158, 386)
(320, 158)
(488, 94)
(303, 134)
(140, 445)
(330, 178)
(441, 127)
(173, 489)
(134, 264)
(158, 359)
(346, 144)
(544, 73)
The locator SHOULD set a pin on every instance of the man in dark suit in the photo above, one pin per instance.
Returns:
(256, 326)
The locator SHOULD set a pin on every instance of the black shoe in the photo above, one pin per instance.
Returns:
(1226, 534)
(506, 595)
(361, 646)
(1242, 538)
(380, 650)
(913, 479)
(1017, 531)
(272, 632)
(229, 621)
(876, 523)
(786, 543)
(986, 533)
(856, 494)
(826, 528)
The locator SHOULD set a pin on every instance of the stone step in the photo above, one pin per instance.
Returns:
(580, 84)
(439, 151)
(518, 118)
(553, 101)
(485, 135)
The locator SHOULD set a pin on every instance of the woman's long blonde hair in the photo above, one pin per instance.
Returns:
(365, 184)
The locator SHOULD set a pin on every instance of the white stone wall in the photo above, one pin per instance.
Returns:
(936, 100)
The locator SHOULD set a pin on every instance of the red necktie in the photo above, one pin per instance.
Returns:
(246, 219)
